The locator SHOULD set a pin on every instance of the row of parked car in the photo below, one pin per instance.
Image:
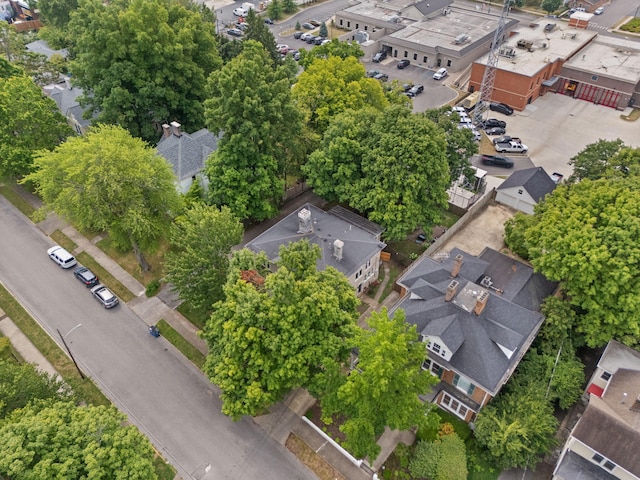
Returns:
(310, 38)
(65, 260)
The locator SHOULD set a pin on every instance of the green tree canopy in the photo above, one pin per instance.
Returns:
(460, 144)
(275, 9)
(60, 440)
(383, 390)
(517, 429)
(144, 62)
(605, 159)
(335, 48)
(330, 86)
(22, 384)
(57, 13)
(259, 31)
(390, 165)
(443, 459)
(109, 181)
(585, 237)
(197, 264)
(551, 5)
(251, 103)
(31, 122)
(269, 337)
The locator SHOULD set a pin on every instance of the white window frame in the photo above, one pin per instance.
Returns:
(454, 405)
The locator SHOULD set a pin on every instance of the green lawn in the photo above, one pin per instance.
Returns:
(8, 192)
(64, 241)
(197, 317)
(178, 341)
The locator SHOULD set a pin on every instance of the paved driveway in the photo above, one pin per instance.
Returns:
(556, 127)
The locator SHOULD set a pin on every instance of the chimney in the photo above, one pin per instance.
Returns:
(166, 130)
(452, 289)
(457, 264)
(481, 302)
(175, 127)
(338, 246)
(304, 221)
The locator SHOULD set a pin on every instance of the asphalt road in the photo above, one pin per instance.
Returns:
(162, 393)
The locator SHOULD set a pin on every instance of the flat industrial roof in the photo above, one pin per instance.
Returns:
(385, 12)
(443, 30)
(547, 46)
(611, 57)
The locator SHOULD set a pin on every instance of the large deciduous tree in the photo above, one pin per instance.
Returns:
(605, 159)
(460, 144)
(109, 181)
(251, 104)
(197, 265)
(390, 165)
(335, 48)
(274, 334)
(517, 429)
(585, 236)
(22, 384)
(144, 62)
(443, 459)
(259, 31)
(60, 440)
(383, 390)
(329, 86)
(57, 13)
(31, 122)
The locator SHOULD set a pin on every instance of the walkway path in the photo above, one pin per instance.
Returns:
(23, 345)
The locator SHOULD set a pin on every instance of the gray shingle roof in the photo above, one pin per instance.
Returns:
(607, 425)
(535, 181)
(43, 48)
(188, 153)
(67, 101)
(574, 467)
(476, 340)
(359, 244)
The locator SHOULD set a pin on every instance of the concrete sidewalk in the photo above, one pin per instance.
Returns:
(23, 345)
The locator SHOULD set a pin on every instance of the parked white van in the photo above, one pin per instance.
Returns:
(61, 257)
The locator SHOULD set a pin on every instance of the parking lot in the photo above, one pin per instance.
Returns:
(556, 127)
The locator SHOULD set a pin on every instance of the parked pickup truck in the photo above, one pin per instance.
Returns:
(511, 147)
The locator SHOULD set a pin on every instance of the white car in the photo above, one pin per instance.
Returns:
(240, 12)
(61, 257)
(440, 74)
(598, 11)
(283, 49)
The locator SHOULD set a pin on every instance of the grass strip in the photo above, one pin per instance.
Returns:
(178, 341)
(85, 389)
(394, 271)
(164, 471)
(311, 459)
(105, 277)
(197, 317)
(16, 200)
(64, 241)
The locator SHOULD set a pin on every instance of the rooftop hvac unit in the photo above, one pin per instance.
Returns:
(524, 44)
(506, 51)
(462, 38)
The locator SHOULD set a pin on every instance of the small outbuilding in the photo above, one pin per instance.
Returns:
(524, 189)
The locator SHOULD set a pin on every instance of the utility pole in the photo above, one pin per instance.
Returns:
(69, 351)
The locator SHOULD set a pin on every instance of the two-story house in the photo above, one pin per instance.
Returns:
(187, 153)
(477, 317)
(349, 243)
(603, 444)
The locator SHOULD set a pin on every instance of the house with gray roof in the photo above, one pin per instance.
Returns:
(348, 242)
(41, 47)
(66, 97)
(524, 189)
(603, 444)
(187, 153)
(477, 317)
